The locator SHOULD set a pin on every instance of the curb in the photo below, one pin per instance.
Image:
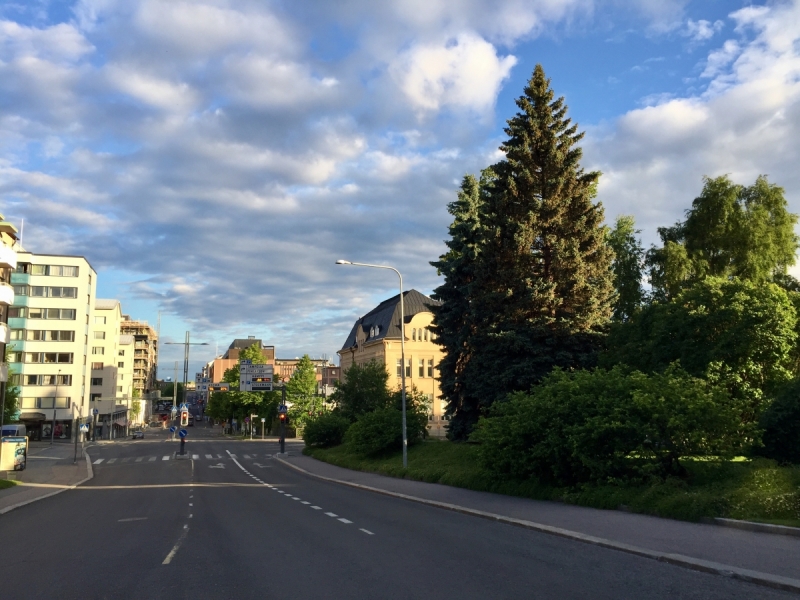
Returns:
(695, 564)
(89, 472)
(759, 527)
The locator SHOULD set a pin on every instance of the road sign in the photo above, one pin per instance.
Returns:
(174, 409)
(184, 406)
(95, 412)
(282, 409)
(173, 429)
(219, 387)
(183, 433)
(247, 419)
(84, 428)
(263, 419)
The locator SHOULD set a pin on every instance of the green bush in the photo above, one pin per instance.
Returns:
(608, 426)
(781, 425)
(381, 430)
(325, 430)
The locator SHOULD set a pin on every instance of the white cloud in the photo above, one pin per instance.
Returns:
(464, 72)
(702, 30)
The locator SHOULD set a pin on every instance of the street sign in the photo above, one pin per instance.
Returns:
(173, 410)
(84, 428)
(282, 409)
(247, 419)
(95, 412)
(263, 419)
(183, 433)
(184, 406)
(219, 387)
(173, 429)
(254, 378)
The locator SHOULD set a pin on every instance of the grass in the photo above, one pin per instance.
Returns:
(5, 484)
(757, 490)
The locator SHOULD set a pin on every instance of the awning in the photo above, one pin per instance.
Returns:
(32, 416)
(121, 422)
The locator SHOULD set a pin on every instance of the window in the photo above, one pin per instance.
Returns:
(94, 397)
(20, 290)
(17, 334)
(47, 379)
(51, 313)
(14, 379)
(23, 267)
(99, 320)
(15, 357)
(97, 381)
(17, 312)
(121, 353)
(414, 334)
(421, 367)
(430, 367)
(48, 357)
(408, 367)
(34, 335)
(41, 291)
(121, 377)
(100, 335)
(52, 270)
(399, 368)
(38, 269)
(98, 350)
(121, 365)
(119, 388)
(426, 334)
(63, 292)
(96, 366)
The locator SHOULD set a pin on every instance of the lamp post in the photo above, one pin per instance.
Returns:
(402, 348)
(55, 402)
(185, 345)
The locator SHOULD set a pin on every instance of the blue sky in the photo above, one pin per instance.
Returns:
(213, 158)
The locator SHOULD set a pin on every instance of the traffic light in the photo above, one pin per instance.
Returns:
(184, 418)
(283, 417)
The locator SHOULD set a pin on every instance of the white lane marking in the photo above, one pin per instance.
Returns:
(209, 456)
(98, 461)
(195, 456)
(217, 466)
(295, 498)
(140, 459)
(132, 519)
(165, 458)
(174, 550)
(190, 516)
(219, 455)
(111, 460)
(247, 456)
(152, 458)
(127, 459)
(190, 504)
(367, 531)
(317, 507)
(332, 514)
(231, 455)
(304, 502)
(345, 521)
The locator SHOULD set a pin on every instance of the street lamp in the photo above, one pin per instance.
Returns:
(402, 348)
(55, 402)
(185, 345)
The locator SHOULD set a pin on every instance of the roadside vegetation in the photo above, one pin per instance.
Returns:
(5, 484)
(566, 378)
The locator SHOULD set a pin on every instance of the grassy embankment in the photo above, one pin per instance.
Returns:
(756, 490)
(5, 483)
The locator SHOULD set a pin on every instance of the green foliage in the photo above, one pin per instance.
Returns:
(325, 430)
(136, 408)
(11, 406)
(362, 389)
(382, 430)
(730, 231)
(739, 333)
(607, 426)
(628, 267)
(301, 390)
(538, 279)
(238, 405)
(781, 425)
(251, 353)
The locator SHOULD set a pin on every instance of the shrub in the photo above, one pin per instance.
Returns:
(781, 425)
(381, 431)
(605, 426)
(325, 430)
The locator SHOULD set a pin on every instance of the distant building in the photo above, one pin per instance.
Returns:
(285, 368)
(8, 263)
(215, 370)
(145, 353)
(376, 336)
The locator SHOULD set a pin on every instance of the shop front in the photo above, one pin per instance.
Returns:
(33, 422)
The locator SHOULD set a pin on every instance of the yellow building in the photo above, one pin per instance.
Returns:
(376, 336)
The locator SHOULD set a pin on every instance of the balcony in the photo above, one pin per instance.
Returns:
(6, 294)
(5, 334)
(8, 257)
(3, 371)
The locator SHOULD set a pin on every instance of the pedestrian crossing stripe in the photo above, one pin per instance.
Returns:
(111, 461)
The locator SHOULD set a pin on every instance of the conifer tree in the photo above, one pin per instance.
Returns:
(543, 287)
(452, 324)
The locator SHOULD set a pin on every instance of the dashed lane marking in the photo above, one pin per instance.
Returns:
(195, 456)
(152, 458)
(367, 531)
(345, 521)
(165, 458)
(332, 514)
(317, 507)
(98, 461)
(209, 456)
(111, 461)
(140, 459)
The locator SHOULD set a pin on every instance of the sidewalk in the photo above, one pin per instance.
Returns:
(768, 553)
(49, 470)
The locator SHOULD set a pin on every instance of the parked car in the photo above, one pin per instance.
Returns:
(138, 434)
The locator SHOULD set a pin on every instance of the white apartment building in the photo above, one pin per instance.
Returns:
(8, 262)
(50, 325)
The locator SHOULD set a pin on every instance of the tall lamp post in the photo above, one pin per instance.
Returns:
(185, 345)
(402, 348)
(55, 402)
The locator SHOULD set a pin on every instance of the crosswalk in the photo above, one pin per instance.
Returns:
(168, 457)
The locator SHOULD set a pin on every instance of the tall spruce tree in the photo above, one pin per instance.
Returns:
(543, 286)
(452, 323)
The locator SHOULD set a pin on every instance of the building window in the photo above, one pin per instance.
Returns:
(414, 335)
(98, 350)
(53, 270)
(20, 290)
(430, 367)
(399, 368)
(121, 365)
(41, 291)
(119, 389)
(97, 381)
(94, 397)
(48, 380)
(34, 335)
(17, 334)
(51, 313)
(16, 312)
(99, 335)
(48, 357)
(99, 320)
(97, 366)
(121, 353)
(15, 357)
(426, 334)
(421, 367)
(408, 367)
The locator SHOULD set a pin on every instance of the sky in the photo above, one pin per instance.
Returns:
(212, 159)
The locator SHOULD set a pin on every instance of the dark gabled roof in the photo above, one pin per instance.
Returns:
(386, 316)
(242, 344)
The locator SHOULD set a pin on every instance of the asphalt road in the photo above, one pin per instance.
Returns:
(233, 523)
